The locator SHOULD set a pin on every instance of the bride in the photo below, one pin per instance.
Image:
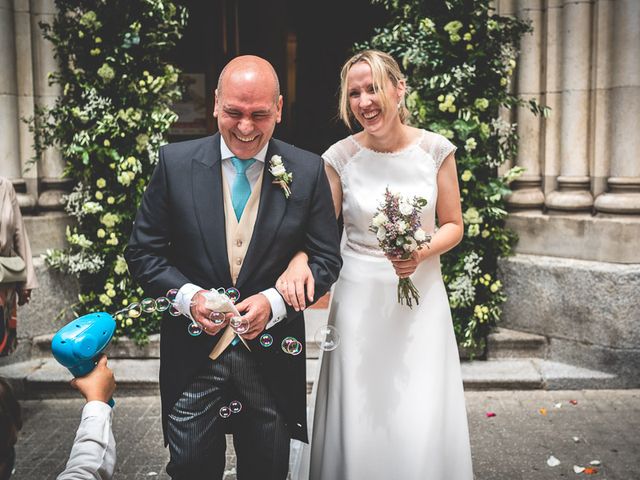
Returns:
(389, 400)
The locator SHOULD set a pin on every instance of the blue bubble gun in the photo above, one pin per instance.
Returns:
(78, 344)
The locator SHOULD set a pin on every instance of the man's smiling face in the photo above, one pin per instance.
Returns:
(247, 107)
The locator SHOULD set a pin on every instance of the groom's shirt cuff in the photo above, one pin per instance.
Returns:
(278, 308)
(184, 297)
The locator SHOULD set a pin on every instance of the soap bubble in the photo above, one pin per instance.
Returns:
(327, 338)
(217, 317)
(235, 406)
(148, 305)
(174, 312)
(233, 294)
(239, 325)
(266, 340)
(171, 294)
(221, 290)
(134, 310)
(162, 303)
(225, 412)
(194, 329)
(291, 346)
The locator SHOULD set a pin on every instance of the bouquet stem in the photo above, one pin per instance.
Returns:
(407, 292)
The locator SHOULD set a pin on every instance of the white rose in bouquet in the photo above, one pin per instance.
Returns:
(401, 226)
(411, 246)
(420, 235)
(405, 208)
(379, 220)
(381, 233)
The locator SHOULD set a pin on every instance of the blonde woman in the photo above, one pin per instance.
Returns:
(389, 399)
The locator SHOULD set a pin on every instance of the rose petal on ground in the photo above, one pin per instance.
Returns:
(573, 402)
(576, 439)
(152, 474)
(578, 469)
(590, 470)
(543, 411)
(553, 461)
(490, 414)
(558, 405)
(595, 462)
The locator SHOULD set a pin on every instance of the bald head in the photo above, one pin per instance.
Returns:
(249, 68)
(248, 105)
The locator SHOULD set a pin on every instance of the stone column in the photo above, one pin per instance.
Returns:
(506, 8)
(51, 164)
(527, 191)
(553, 95)
(624, 181)
(9, 117)
(602, 97)
(24, 69)
(573, 192)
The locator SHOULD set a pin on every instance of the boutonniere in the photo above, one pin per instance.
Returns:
(280, 174)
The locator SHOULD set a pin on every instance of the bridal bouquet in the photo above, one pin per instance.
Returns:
(397, 227)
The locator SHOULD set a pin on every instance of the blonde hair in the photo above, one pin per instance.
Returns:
(383, 67)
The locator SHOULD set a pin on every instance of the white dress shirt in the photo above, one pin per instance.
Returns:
(93, 455)
(188, 290)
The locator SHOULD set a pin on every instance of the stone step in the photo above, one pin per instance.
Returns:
(505, 343)
(517, 374)
(45, 378)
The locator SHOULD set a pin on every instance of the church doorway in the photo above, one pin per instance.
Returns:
(307, 42)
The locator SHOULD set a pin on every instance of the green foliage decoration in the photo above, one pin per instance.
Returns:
(459, 58)
(112, 115)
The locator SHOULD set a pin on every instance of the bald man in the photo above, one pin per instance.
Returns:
(214, 215)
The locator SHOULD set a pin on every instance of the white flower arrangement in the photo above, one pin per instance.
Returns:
(280, 174)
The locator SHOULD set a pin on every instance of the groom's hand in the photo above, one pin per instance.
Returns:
(256, 310)
(202, 315)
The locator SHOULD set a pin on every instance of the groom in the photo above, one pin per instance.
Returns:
(212, 216)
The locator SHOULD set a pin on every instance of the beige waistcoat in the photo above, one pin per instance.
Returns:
(238, 237)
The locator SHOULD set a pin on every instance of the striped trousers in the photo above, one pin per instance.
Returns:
(196, 431)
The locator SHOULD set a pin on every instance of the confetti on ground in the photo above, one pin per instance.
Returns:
(558, 405)
(573, 402)
(152, 474)
(490, 414)
(578, 469)
(576, 439)
(590, 470)
(543, 411)
(553, 461)
(595, 463)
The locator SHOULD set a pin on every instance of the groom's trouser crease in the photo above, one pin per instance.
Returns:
(196, 432)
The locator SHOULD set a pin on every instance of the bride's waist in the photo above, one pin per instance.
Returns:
(363, 249)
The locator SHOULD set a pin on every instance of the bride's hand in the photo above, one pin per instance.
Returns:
(291, 284)
(405, 267)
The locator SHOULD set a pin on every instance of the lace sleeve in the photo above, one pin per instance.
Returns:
(438, 146)
(339, 154)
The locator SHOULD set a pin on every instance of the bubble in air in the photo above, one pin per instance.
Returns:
(233, 294)
(148, 305)
(266, 340)
(194, 329)
(225, 412)
(235, 406)
(134, 310)
(327, 337)
(162, 304)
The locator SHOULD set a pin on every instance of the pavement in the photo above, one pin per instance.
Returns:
(512, 445)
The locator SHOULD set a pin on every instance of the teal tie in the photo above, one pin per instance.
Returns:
(241, 189)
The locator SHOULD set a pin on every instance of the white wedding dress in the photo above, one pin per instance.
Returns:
(389, 400)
